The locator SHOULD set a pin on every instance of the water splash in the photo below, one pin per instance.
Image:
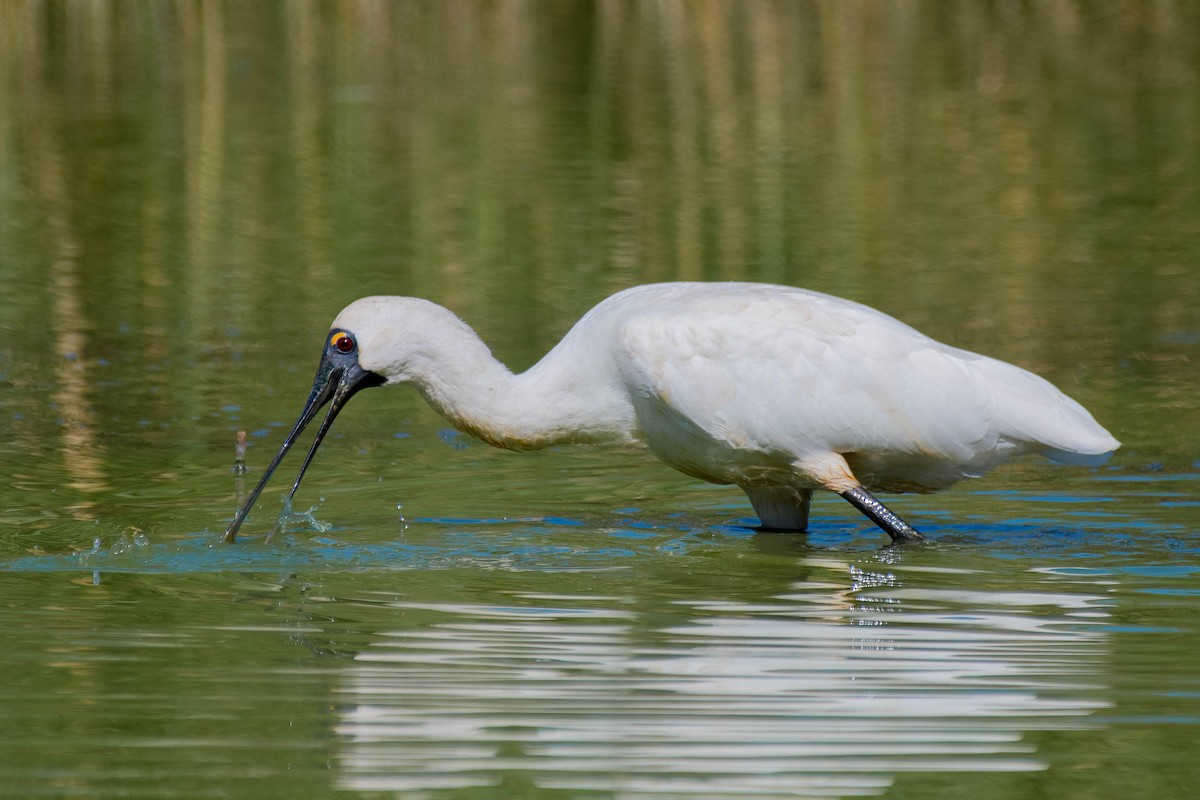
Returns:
(288, 515)
(129, 541)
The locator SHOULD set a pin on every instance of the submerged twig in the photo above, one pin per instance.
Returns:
(239, 454)
(239, 467)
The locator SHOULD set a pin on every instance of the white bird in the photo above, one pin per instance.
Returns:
(775, 389)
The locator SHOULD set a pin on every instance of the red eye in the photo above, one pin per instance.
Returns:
(342, 342)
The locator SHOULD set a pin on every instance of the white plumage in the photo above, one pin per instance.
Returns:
(776, 389)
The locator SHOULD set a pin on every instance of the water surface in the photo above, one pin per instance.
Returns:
(190, 192)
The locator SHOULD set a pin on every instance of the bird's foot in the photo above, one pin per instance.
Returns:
(900, 531)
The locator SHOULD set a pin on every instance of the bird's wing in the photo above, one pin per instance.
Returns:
(799, 372)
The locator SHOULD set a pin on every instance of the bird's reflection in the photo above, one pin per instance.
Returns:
(826, 690)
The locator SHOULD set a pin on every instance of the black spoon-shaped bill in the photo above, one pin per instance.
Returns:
(334, 384)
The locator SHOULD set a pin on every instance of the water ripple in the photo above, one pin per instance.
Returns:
(817, 694)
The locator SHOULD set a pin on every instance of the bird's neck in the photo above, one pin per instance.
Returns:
(556, 401)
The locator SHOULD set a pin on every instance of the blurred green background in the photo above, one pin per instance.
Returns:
(190, 191)
(1018, 178)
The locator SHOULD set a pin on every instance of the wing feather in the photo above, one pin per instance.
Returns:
(791, 373)
(727, 378)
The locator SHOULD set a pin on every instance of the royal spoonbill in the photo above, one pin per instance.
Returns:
(775, 389)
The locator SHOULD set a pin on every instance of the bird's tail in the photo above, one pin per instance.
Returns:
(1081, 459)
(1048, 421)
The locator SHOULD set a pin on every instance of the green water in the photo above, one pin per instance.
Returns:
(189, 193)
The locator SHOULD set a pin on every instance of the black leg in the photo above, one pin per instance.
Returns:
(881, 515)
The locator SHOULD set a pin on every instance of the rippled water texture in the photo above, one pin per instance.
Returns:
(189, 192)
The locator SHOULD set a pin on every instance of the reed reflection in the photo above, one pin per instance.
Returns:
(80, 451)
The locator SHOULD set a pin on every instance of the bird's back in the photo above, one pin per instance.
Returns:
(730, 381)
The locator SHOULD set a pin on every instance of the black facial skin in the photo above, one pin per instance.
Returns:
(339, 377)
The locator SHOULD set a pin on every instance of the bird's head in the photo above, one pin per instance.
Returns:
(340, 375)
(373, 341)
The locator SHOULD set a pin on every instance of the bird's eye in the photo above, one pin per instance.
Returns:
(342, 342)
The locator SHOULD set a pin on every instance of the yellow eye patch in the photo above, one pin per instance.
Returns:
(342, 342)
